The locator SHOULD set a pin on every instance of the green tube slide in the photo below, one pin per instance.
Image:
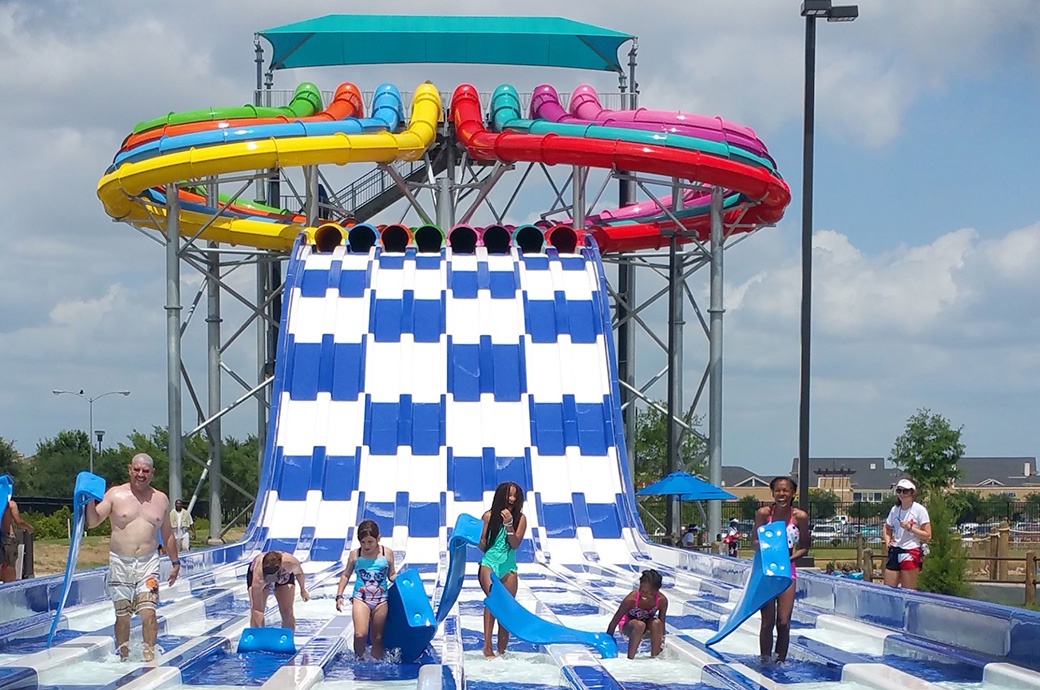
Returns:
(306, 101)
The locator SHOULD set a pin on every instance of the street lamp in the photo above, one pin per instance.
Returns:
(90, 405)
(811, 10)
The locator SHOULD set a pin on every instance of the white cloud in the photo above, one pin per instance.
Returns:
(955, 316)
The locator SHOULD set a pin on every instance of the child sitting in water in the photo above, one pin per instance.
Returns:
(642, 614)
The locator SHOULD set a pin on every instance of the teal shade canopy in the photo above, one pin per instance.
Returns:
(379, 39)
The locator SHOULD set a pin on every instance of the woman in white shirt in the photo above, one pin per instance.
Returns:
(907, 529)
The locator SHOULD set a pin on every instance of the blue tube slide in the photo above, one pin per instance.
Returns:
(387, 116)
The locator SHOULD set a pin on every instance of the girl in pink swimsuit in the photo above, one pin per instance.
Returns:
(777, 612)
(641, 614)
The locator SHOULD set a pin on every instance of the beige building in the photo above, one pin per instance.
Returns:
(872, 479)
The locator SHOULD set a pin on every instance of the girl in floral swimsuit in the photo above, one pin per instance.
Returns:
(642, 613)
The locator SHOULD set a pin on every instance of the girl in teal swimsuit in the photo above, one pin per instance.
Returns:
(504, 528)
(374, 565)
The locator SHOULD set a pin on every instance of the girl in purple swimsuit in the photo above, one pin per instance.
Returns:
(641, 614)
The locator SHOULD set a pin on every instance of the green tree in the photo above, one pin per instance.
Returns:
(966, 506)
(747, 506)
(822, 504)
(997, 507)
(10, 460)
(864, 510)
(57, 462)
(928, 450)
(1033, 506)
(652, 445)
(947, 562)
(651, 461)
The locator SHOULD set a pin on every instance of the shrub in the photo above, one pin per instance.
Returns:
(57, 524)
(946, 566)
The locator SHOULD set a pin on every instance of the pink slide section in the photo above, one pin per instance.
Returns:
(545, 105)
(586, 106)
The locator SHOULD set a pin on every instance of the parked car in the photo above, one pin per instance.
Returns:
(871, 533)
(824, 533)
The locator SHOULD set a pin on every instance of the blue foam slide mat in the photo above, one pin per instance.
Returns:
(410, 624)
(273, 640)
(466, 533)
(6, 491)
(530, 628)
(89, 487)
(770, 577)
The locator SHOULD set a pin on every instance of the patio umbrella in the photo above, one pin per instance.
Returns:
(686, 486)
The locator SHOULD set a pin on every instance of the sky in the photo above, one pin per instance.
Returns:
(926, 219)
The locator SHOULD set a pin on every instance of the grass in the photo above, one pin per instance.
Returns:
(50, 555)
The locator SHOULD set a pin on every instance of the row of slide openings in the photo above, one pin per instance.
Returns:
(462, 239)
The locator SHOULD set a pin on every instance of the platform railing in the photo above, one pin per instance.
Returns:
(277, 98)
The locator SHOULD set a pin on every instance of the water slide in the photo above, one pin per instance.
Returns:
(119, 189)
(583, 145)
(407, 386)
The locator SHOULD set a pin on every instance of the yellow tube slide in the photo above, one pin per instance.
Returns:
(119, 189)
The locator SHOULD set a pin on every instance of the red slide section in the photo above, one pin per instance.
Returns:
(770, 192)
(346, 102)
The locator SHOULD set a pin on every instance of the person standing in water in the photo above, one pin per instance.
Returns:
(777, 612)
(138, 513)
(504, 528)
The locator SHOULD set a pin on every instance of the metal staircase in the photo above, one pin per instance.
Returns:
(377, 190)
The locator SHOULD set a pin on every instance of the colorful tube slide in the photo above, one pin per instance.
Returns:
(387, 114)
(346, 102)
(305, 101)
(768, 192)
(545, 104)
(120, 188)
(585, 105)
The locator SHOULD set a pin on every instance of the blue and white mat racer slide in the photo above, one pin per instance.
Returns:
(407, 387)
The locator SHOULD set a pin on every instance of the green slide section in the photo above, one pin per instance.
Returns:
(306, 101)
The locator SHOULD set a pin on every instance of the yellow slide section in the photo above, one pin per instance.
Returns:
(119, 189)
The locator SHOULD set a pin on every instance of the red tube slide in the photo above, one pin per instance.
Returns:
(771, 192)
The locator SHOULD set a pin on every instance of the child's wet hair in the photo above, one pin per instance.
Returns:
(652, 578)
(777, 480)
(367, 528)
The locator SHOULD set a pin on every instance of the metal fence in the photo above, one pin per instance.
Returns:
(842, 524)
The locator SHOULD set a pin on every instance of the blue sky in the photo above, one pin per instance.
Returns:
(927, 225)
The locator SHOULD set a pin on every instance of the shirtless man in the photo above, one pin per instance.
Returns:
(138, 513)
(9, 541)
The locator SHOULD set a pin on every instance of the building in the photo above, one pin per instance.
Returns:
(872, 479)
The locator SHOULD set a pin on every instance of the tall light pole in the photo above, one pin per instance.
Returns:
(90, 425)
(811, 10)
